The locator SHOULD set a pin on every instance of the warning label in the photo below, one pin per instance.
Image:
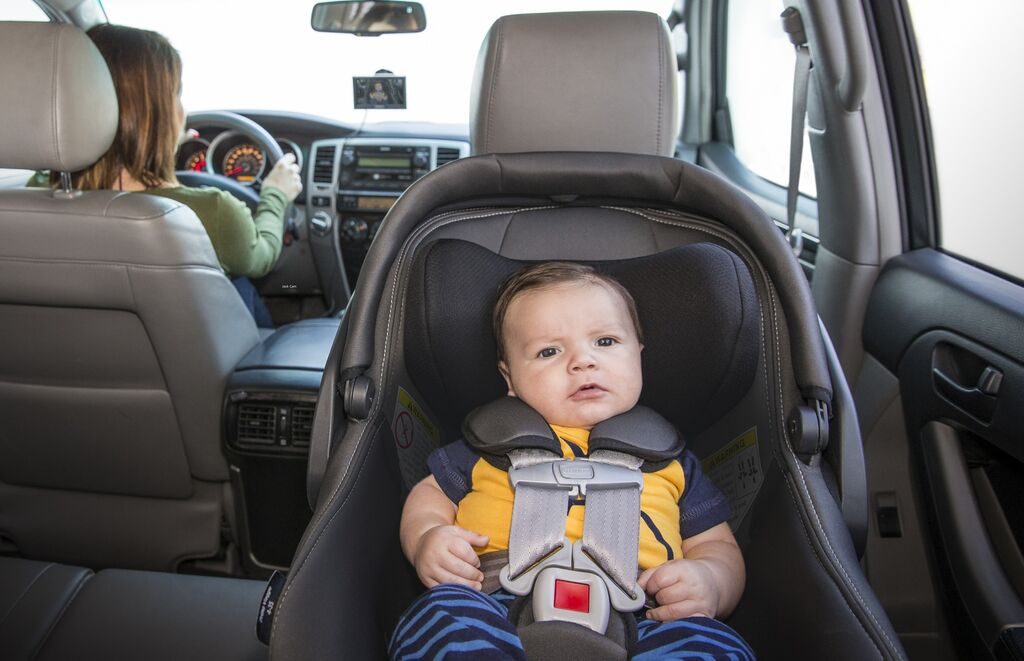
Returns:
(736, 470)
(415, 435)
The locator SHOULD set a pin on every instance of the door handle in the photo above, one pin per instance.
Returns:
(977, 401)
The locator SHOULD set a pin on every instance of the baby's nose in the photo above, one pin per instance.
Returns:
(583, 361)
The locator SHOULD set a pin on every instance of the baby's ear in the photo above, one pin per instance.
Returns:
(503, 368)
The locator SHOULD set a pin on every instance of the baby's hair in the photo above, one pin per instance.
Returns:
(543, 275)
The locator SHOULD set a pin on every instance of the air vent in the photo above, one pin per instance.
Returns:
(256, 423)
(302, 425)
(446, 155)
(323, 165)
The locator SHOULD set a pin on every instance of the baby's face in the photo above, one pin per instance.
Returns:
(572, 353)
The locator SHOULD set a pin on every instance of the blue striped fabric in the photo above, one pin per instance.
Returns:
(455, 622)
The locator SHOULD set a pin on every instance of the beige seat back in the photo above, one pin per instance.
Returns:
(118, 330)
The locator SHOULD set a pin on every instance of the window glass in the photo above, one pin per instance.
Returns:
(225, 49)
(21, 10)
(970, 58)
(759, 85)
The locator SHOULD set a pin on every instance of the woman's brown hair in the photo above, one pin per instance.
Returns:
(147, 77)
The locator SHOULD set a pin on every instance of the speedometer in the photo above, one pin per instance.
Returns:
(196, 162)
(243, 163)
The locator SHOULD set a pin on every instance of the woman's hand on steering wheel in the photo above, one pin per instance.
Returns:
(285, 177)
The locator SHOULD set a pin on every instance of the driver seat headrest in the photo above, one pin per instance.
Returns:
(576, 81)
(57, 99)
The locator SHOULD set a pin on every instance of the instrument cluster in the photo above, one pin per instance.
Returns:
(230, 154)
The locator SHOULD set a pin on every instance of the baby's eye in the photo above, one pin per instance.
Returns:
(606, 341)
(547, 352)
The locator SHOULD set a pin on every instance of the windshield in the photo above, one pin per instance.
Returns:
(263, 54)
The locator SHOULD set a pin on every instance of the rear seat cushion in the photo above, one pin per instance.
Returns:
(127, 614)
(54, 612)
(33, 596)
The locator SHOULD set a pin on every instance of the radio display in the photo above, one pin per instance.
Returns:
(375, 203)
(395, 162)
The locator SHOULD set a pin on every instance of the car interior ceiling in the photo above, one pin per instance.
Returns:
(203, 471)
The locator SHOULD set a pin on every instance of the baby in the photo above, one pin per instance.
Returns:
(569, 344)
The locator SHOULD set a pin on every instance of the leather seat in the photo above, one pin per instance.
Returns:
(58, 612)
(119, 332)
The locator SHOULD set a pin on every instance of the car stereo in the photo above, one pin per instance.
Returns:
(382, 167)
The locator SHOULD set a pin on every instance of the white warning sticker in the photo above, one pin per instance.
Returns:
(736, 470)
(415, 435)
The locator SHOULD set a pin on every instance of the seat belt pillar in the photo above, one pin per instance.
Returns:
(793, 25)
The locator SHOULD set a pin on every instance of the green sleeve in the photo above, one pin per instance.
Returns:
(41, 179)
(247, 244)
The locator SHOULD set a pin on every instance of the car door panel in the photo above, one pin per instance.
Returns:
(953, 334)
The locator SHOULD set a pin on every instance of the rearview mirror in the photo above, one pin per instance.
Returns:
(368, 17)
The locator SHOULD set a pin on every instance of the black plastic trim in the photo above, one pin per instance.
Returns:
(897, 59)
(926, 289)
(979, 576)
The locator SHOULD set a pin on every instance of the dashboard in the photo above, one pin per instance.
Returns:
(353, 182)
(351, 178)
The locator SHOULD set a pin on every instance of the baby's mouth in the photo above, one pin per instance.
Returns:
(587, 391)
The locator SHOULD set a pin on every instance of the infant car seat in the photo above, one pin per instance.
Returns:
(735, 358)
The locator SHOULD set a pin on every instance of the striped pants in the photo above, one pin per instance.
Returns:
(456, 622)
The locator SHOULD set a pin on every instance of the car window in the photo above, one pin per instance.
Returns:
(22, 10)
(268, 57)
(977, 135)
(759, 85)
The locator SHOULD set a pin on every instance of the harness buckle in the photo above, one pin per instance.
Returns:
(571, 595)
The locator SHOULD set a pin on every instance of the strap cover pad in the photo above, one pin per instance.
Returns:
(508, 424)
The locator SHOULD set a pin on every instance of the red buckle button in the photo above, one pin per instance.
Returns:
(572, 596)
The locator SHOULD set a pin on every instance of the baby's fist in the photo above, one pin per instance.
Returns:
(682, 588)
(445, 554)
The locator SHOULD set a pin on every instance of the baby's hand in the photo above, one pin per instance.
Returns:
(682, 588)
(445, 554)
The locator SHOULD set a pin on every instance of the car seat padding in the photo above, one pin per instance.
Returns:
(697, 305)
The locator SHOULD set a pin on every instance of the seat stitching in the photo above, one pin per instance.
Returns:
(823, 538)
(21, 596)
(661, 82)
(779, 464)
(53, 99)
(112, 263)
(67, 604)
(494, 80)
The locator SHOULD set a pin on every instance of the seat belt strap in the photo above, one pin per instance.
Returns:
(794, 27)
(611, 524)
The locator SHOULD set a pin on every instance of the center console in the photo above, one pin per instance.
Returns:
(268, 415)
(352, 184)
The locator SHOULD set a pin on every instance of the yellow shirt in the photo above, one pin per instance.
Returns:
(487, 507)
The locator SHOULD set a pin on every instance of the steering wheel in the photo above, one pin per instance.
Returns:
(251, 130)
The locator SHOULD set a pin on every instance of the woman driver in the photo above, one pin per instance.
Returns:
(146, 71)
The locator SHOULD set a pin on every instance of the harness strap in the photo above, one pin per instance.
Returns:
(611, 524)
(538, 515)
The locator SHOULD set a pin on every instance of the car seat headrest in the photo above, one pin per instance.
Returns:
(58, 103)
(576, 81)
(697, 305)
